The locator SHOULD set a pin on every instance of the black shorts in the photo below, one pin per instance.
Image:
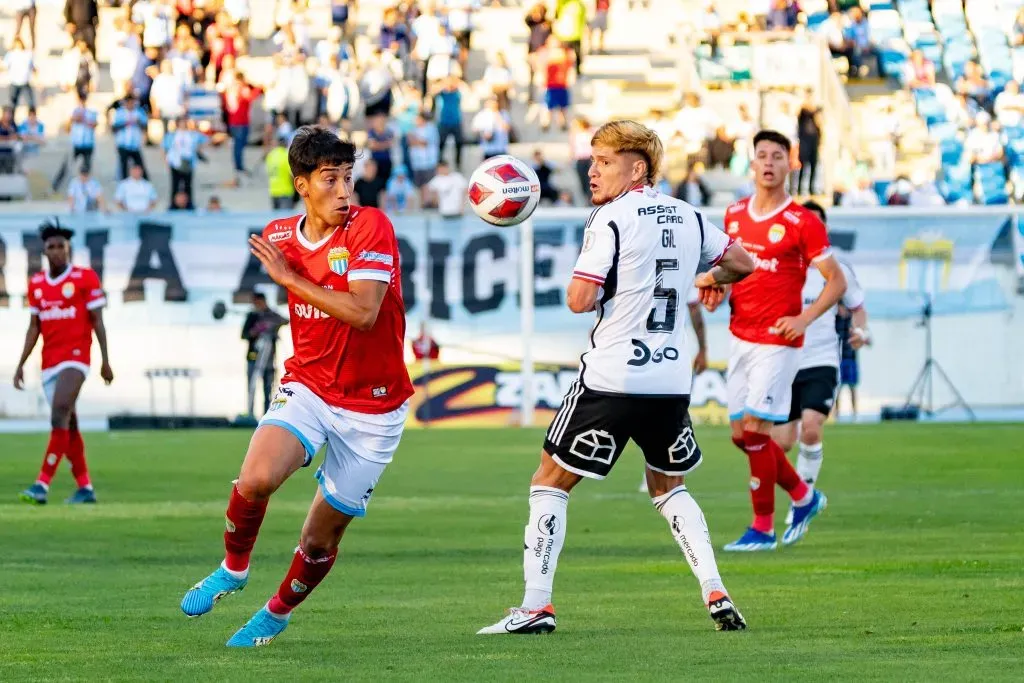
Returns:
(590, 430)
(814, 389)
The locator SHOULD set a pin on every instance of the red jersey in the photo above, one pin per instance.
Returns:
(558, 66)
(360, 371)
(62, 306)
(783, 244)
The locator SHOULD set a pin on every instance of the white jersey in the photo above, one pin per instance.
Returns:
(821, 343)
(644, 249)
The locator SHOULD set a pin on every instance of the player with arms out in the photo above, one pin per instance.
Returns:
(641, 250)
(346, 384)
(66, 302)
(814, 388)
(768, 322)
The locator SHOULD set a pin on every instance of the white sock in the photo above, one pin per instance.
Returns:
(808, 462)
(545, 536)
(232, 572)
(46, 487)
(686, 521)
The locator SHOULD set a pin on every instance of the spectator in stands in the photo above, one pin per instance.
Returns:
(126, 53)
(599, 25)
(167, 96)
(925, 192)
(8, 128)
(20, 65)
(545, 172)
(282, 189)
(858, 33)
(809, 143)
(863, 195)
(447, 191)
(1009, 106)
(983, 144)
(540, 28)
(720, 148)
(370, 187)
(557, 61)
(400, 193)
(697, 123)
(920, 71)
(833, 30)
(1017, 32)
(24, 10)
(569, 25)
(180, 202)
(459, 16)
(742, 131)
(692, 189)
(129, 126)
(183, 147)
(580, 134)
(709, 25)
(32, 133)
(782, 16)
(135, 194)
(448, 105)
(85, 194)
(222, 40)
(79, 71)
(492, 126)
(899, 191)
(964, 111)
(375, 86)
(975, 86)
(424, 145)
(82, 17)
(213, 205)
(498, 77)
(424, 346)
(240, 12)
(380, 140)
(237, 97)
(158, 17)
(82, 128)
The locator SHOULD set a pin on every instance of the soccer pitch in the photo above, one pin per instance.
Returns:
(915, 571)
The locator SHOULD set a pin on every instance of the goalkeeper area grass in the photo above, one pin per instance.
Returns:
(914, 572)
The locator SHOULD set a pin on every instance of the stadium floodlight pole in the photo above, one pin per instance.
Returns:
(528, 401)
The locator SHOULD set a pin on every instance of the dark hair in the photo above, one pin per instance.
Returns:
(315, 147)
(773, 136)
(52, 228)
(817, 208)
(259, 296)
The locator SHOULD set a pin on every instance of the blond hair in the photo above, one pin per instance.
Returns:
(630, 136)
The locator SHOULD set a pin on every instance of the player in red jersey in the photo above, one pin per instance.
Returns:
(767, 325)
(66, 303)
(345, 386)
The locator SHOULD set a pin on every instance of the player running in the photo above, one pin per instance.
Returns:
(66, 302)
(767, 324)
(641, 250)
(814, 388)
(346, 384)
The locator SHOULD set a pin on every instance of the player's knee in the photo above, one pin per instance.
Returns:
(60, 414)
(318, 544)
(550, 473)
(256, 486)
(810, 432)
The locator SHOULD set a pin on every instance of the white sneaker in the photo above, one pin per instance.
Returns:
(524, 622)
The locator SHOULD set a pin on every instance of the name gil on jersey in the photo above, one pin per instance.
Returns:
(665, 214)
(69, 313)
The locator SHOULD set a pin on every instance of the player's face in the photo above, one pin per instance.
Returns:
(327, 192)
(612, 173)
(58, 252)
(770, 164)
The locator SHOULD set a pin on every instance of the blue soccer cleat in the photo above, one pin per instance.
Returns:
(34, 494)
(82, 495)
(802, 517)
(261, 629)
(751, 541)
(205, 594)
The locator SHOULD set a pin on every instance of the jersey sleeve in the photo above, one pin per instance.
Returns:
(693, 297)
(853, 298)
(95, 297)
(33, 298)
(373, 251)
(814, 244)
(598, 252)
(714, 242)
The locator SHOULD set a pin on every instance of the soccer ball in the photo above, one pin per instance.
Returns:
(503, 190)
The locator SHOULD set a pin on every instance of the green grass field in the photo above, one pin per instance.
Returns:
(915, 572)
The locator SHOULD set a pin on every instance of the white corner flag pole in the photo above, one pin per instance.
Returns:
(526, 320)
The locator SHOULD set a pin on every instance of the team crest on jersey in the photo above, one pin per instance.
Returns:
(68, 290)
(776, 233)
(337, 260)
(733, 228)
(39, 293)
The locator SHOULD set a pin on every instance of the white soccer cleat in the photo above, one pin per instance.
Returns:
(521, 621)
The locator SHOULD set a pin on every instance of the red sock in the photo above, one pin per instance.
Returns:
(786, 476)
(738, 442)
(76, 454)
(244, 518)
(762, 479)
(55, 450)
(303, 576)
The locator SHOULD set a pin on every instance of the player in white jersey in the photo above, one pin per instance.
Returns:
(814, 388)
(641, 251)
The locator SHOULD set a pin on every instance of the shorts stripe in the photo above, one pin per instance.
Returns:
(310, 451)
(575, 470)
(334, 502)
(561, 421)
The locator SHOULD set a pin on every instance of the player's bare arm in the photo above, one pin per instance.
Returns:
(735, 265)
(31, 338)
(792, 327)
(700, 361)
(357, 307)
(581, 295)
(859, 336)
(96, 318)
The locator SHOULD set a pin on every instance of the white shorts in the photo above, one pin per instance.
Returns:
(359, 445)
(760, 380)
(50, 375)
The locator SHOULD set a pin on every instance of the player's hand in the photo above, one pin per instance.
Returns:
(790, 327)
(19, 378)
(272, 259)
(859, 338)
(710, 293)
(106, 373)
(700, 362)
